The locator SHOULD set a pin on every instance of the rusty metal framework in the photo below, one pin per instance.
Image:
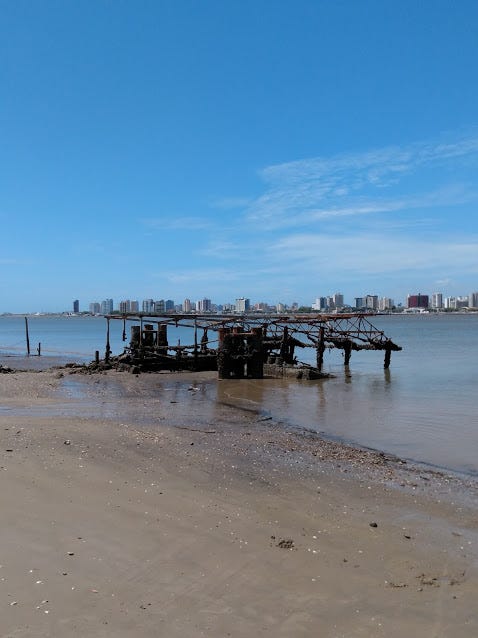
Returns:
(247, 340)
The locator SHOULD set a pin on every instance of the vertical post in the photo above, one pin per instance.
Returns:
(388, 355)
(27, 336)
(162, 338)
(195, 353)
(255, 363)
(284, 346)
(39, 349)
(347, 352)
(320, 349)
(237, 346)
(97, 356)
(223, 354)
(108, 349)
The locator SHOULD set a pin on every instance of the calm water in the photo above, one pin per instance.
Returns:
(424, 408)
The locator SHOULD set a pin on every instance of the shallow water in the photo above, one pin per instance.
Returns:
(424, 408)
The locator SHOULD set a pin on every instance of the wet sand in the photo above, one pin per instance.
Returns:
(136, 506)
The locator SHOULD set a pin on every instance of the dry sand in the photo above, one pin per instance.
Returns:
(129, 510)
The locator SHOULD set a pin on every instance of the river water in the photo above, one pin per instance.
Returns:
(424, 408)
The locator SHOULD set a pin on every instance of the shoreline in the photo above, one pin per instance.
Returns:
(65, 366)
(206, 520)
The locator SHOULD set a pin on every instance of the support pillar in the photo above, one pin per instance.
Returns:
(108, 347)
(347, 352)
(255, 363)
(388, 355)
(320, 349)
(135, 339)
(223, 353)
(162, 338)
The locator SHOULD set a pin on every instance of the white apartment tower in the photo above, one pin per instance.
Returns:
(437, 300)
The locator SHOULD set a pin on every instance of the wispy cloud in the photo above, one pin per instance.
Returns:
(374, 254)
(314, 189)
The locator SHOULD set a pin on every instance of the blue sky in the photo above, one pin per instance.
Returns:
(275, 150)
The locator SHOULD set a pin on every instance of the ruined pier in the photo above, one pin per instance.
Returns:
(246, 346)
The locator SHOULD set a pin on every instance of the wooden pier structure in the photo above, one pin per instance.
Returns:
(245, 346)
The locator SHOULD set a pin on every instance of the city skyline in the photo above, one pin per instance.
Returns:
(436, 300)
(279, 149)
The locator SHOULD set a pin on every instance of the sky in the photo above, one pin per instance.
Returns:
(279, 151)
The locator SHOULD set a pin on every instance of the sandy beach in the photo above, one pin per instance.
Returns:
(132, 509)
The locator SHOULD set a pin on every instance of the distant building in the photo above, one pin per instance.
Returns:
(148, 306)
(95, 308)
(76, 306)
(204, 305)
(437, 300)
(134, 306)
(242, 304)
(160, 306)
(385, 303)
(261, 306)
(187, 305)
(417, 301)
(359, 303)
(169, 305)
(473, 298)
(124, 306)
(371, 302)
(450, 303)
(107, 307)
(338, 300)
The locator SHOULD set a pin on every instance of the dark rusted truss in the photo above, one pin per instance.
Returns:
(241, 345)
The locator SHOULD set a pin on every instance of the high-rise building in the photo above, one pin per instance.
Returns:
(124, 306)
(371, 302)
(148, 306)
(417, 301)
(160, 306)
(437, 300)
(204, 305)
(385, 303)
(107, 307)
(473, 299)
(359, 303)
(450, 303)
(187, 305)
(338, 300)
(95, 308)
(76, 306)
(134, 306)
(462, 302)
(169, 305)
(242, 304)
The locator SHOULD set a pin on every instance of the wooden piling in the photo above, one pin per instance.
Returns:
(320, 349)
(107, 348)
(195, 351)
(223, 354)
(27, 336)
(135, 339)
(347, 352)
(148, 335)
(388, 356)
(255, 362)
